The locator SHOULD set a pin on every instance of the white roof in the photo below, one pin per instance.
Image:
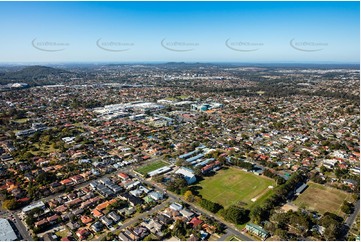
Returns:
(176, 206)
(32, 206)
(6, 231)
(159, 171)
(185, 172)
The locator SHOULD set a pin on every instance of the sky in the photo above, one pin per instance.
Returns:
(247, 32)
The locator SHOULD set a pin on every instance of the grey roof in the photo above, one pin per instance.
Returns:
(6, 231)
(106, 221)
(186, 213)
(115, 217)
(187, 154)
(156, 195)
(301, 188)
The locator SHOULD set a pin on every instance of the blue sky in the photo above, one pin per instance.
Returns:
(309, 32)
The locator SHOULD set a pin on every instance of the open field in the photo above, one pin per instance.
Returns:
(232, 186)
(43, 148)
(323, 199)
(150, 167)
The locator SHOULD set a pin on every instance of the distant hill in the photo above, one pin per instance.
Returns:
(35, 75)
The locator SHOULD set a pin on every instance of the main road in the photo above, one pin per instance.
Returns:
(22, 229)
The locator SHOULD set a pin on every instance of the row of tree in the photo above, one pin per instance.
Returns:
(210, 206)
(280, 180)
(235, 214)
(246, 165)
(263, 211)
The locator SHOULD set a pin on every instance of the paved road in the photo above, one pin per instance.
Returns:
(22, 229)
(351, 219)
(225, 236)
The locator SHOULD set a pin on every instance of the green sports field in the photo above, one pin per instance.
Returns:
(323, 199)
(144, 170)
(234, 186)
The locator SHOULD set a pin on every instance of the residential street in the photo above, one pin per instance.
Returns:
(351, 219)
(22, 229)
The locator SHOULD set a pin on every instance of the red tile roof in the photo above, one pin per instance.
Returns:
(196, 221)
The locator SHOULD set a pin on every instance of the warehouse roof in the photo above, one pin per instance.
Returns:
(6, 231)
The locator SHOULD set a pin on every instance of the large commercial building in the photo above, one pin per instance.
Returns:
(7, 233)
(188, 174)
(121, 110)
(205, 106)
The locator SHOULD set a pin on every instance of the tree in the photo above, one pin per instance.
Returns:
(150, 237)
(258, 214)
(280, 180)
(323, 169)
(246, 165)
(347, 207)
(198, 171)
(282, 234)
(188, 196)
(235, 214)
(332, 224)
(210, 206)
(281, 219)
(10, 204)
(177, 184)
(299, 222)
(331, 232)
(45, 178)
(340, 173)
(179, 229)
(158, 178)
(270, 227)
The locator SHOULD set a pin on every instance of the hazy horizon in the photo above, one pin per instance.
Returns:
(138, 32)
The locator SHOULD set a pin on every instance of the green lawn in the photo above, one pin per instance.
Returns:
(63, 233)
(234, 186)
(21, 121)
(144, 170)
(323, 199)
(182, 97)
(44, 148)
